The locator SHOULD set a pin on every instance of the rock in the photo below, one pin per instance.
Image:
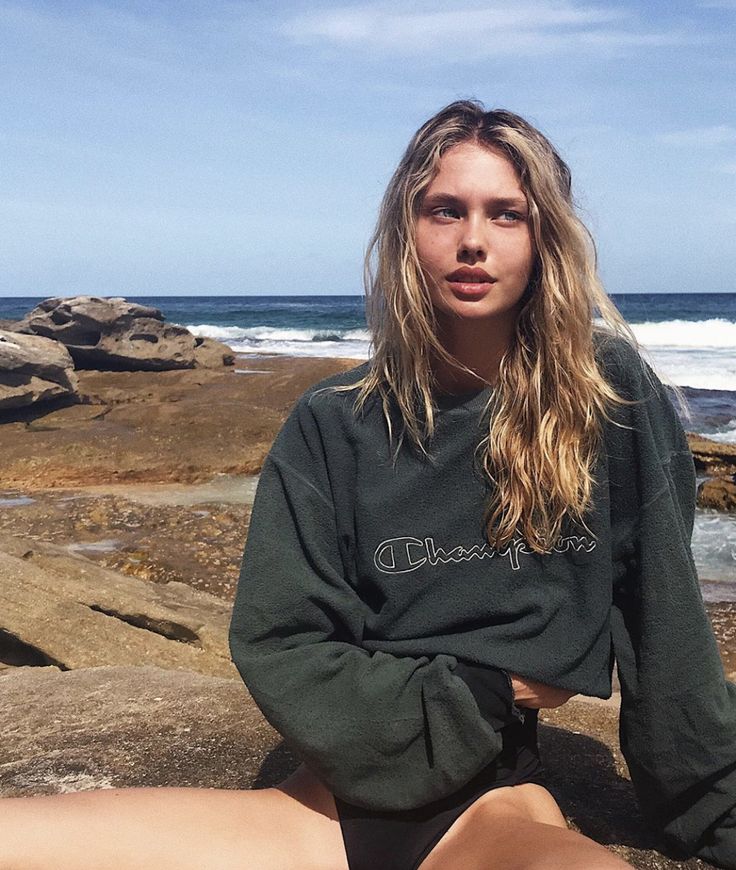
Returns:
(718, 493)
(64, 610)
(132, 726)
(712, 457)
(114, 334)
(66, 418)
(210, 354)
(33, 369)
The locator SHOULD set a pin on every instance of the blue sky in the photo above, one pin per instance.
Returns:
(243, 147)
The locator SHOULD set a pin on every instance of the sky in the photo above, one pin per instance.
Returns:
(166, 148)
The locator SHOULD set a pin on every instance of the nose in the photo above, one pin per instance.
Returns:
(472, 244)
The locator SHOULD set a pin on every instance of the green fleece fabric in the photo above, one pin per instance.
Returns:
(368, 595)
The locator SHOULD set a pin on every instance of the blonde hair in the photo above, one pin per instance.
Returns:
(550, 396)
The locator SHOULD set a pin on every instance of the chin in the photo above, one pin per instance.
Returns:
(474, 311)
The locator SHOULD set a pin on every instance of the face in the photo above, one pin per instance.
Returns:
(473, 237)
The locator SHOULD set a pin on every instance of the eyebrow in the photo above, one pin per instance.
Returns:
(500, 201)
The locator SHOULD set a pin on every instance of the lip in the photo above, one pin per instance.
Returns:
(469, 290)
(469, 284)
(466, 275)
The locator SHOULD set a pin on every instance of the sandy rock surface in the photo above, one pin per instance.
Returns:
(132, 726)
(183, 426)
(61, 609)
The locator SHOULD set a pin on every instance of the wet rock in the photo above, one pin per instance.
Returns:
(712, 457)
(33, 369)
(718, 493)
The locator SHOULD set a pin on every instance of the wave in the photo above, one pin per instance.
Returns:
(705, 368)
(714, 550)
(275, 333)
(727, 435)
(715, 332)
(697, 354)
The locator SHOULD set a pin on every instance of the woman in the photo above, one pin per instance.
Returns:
(446, 539)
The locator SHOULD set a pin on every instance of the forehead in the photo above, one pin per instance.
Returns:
(469, 168)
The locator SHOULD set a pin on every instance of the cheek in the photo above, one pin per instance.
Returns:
(521, 255)
(429, 250)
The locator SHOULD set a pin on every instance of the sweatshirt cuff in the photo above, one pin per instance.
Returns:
(491, 687)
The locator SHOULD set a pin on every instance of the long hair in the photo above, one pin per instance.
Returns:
(550, 396)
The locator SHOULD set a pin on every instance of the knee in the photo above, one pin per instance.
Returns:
(553, 863)
(587, 857)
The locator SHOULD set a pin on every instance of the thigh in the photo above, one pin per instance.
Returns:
(517, 828)
(170, 829)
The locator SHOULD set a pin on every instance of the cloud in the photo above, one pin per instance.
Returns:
(477, 29)
(719, 134)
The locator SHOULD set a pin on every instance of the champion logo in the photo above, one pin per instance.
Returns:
(402, 555)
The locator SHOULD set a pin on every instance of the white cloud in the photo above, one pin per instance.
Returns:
(477, 29)
(718, 134)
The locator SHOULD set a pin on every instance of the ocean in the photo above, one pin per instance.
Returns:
(689, 338)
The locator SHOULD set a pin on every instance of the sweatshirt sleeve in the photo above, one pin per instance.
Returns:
(677, 724)
(381, 731)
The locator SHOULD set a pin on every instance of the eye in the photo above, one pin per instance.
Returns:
(511, 216)
(445, 211)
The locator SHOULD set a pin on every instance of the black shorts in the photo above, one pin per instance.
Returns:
(402, 840)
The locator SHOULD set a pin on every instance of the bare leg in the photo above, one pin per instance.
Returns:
(507, 830)
(169, 829)
(291, 827)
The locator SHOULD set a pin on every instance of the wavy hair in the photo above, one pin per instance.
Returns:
(550, 396)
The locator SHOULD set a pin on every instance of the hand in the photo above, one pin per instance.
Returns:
(530, 693)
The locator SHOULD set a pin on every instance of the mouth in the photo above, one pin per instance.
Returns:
(470, 276)
(467, 283)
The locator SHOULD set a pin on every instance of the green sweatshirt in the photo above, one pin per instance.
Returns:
(375, 626)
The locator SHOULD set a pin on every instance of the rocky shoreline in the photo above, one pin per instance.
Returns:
(122, 522)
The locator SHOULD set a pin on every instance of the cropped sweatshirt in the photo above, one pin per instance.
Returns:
(375, 627)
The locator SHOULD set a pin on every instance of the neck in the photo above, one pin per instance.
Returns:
(475, 346)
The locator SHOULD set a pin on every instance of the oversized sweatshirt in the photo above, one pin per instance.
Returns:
(375, 626)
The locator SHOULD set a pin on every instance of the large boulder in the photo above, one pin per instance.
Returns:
(33, 369)
(114, 334)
